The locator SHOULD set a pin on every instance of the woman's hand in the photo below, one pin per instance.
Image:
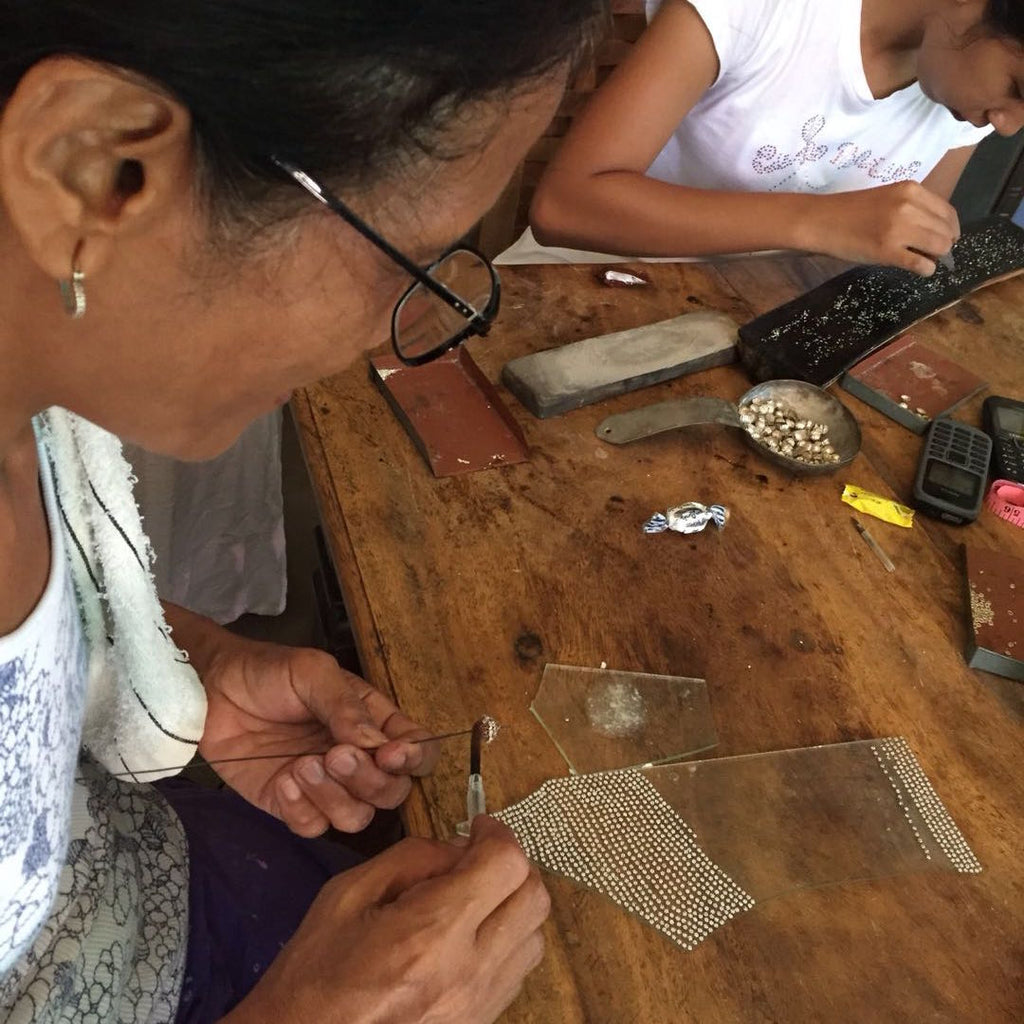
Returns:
(426, 932)
(903, 225)
(269, 699)
(266, 699)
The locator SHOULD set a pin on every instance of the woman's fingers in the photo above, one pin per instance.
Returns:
(359, 715)
(359, 774)
(342, 788)
(917, 263)
(924, 226)
(522, 913)
(508, 977)
(295, 809)
(493, 868)
(400, 756)
(903, 225)
(396, 756)
(457, 927)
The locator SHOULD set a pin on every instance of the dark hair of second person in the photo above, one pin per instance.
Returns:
(1006, 18)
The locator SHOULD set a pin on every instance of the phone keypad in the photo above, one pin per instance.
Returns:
(961, 446)
(1009, 458)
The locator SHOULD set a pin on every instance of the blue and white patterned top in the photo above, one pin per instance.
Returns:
(93, 872)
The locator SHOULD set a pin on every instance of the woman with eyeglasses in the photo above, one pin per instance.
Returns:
(203, 206)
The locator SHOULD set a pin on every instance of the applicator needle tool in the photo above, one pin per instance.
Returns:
(140, 773)
(484, 731)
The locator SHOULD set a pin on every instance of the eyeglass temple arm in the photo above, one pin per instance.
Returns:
(333, 203)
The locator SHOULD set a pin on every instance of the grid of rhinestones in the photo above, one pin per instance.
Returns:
(913, 790)
(614, 832)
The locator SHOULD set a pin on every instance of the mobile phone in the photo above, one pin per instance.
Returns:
(953, 471)
(1004, 423)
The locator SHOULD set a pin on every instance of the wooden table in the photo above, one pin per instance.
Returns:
(461, 590)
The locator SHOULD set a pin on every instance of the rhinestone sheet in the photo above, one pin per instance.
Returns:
(614, 832)
(921, 804)
(819, 335)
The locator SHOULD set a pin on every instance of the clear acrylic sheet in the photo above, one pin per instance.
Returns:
(685, 847)
(815, 816)
(602, 719)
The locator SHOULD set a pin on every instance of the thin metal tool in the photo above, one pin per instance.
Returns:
(199, 760)
(484, 730)
(873, 544)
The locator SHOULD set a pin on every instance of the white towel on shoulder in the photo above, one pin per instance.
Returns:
(145, 706)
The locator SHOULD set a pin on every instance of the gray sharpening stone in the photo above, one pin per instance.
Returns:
(559, 379)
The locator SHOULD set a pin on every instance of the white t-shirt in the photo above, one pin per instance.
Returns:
(791, 110)
(93, 870)
(42, 697)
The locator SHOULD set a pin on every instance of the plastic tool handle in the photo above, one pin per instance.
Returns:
(475, 803)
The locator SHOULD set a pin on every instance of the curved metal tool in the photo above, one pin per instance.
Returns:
(656, 419)
(806, 400)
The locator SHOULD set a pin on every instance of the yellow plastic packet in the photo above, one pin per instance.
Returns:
(881, 508)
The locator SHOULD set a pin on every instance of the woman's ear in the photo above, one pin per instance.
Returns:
(88, 155)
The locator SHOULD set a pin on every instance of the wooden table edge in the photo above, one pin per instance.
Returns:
(414, 812)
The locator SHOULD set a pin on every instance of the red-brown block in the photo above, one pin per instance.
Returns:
(452, 412)
(995, 583)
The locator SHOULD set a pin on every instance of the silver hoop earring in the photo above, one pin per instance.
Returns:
(72, 289)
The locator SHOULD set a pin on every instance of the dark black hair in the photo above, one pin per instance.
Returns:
(344, 88)
(1006, 18)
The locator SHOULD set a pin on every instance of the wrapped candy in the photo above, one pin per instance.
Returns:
(622, 278)
(689, 518)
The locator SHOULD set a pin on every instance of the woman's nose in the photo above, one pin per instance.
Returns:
(1008, 121)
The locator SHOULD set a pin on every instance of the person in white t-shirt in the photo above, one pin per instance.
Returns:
(832, 126)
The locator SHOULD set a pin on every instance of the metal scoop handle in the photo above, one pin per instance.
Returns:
(663, 416)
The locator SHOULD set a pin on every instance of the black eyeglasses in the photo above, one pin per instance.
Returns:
(452, 299)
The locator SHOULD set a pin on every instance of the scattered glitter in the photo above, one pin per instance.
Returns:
(823, 333)
(981, 609)
(616, 709)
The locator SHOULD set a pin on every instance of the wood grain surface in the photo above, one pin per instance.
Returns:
(461, 590)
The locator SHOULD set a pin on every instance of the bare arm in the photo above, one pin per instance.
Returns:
(948, 170)
(596, 194)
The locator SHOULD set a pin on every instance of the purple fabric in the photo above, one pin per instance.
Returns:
(251, 881)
